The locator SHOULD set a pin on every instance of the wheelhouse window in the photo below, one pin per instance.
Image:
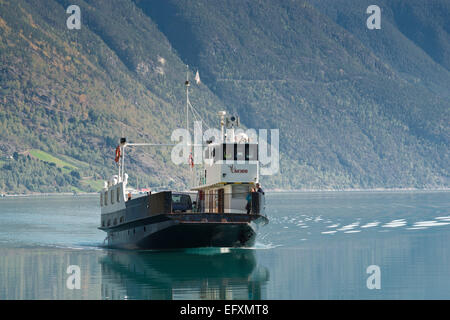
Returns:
(101, 199)
(228, 151)
(218, 153)
(106, 198)
(235, 151)
(239, 151)
(118, 193)
(112, 196)
(251, 152)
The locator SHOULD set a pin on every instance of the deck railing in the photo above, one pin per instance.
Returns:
(243, 203)
(195, 202)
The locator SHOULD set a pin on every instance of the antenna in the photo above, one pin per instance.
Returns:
(222, 115)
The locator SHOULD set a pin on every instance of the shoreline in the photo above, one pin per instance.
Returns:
(48, 194)
(5, 195)
(356, 190)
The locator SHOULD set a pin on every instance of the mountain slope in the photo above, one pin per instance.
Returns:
(355, 108)
(73, 93)
(341, 107)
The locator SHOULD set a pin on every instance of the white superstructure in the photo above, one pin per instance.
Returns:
(229, 170)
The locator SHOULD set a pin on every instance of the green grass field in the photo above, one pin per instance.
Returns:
(44, 156)
(74, 162)
(97, 185)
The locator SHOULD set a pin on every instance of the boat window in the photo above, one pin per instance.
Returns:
(112, 196)
(233, 151)
(239, 191)
(121, 219)
(115, 221)
(176, 198)
(218, 153)
(118, 194)
(239, 151)
(109, 223)
(103, 223)
(106, 198)
(252, 152)
(101, 199)
(181, 202)
(228, 151)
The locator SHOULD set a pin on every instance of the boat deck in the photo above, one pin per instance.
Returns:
(186, 218)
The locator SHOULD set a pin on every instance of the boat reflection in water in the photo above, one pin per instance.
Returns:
(213, 273)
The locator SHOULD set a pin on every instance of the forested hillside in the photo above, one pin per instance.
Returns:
(356, 108)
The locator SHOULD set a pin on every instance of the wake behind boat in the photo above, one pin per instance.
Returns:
(220, 210)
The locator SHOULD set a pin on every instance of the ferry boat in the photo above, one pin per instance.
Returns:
(219, 211)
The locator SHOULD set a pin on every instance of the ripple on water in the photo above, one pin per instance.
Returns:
(371, 224)
(263, 246)
(395, 223)
(443, 218)
(349, 226)
(329, 232)
(430, 223)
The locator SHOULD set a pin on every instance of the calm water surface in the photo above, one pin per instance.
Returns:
(317, 246)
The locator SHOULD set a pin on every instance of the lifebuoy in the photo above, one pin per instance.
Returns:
(117, 154)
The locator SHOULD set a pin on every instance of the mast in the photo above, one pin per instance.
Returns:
(123, 162)
(187, 114)
(123, 142)
(187, 97)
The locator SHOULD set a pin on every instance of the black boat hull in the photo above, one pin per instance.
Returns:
(173, 231)
(200, 235)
